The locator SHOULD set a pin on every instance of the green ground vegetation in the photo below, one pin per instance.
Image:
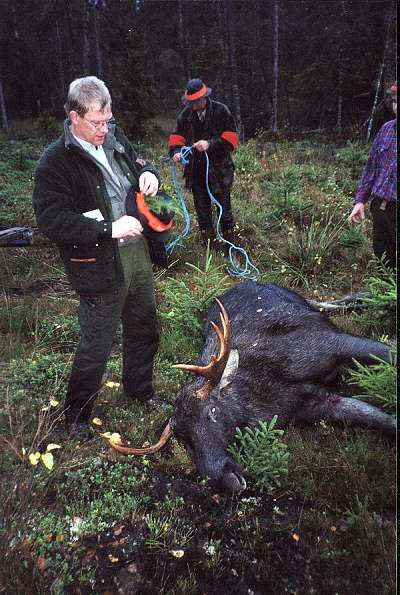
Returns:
(84, 518)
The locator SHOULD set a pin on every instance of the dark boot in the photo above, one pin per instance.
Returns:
(208, 235)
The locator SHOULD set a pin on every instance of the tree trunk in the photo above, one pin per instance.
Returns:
(61, 73)
(275, 78)
(97, 34)
(381, 69)
(184, 40)
(86, 39)
(229, 7)
(340, 76)
(4, 118)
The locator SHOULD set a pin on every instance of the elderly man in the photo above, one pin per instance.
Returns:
(207, 125)
(379, 182)
(81, 184)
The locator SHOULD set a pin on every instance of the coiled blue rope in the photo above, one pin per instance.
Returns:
(249, 270)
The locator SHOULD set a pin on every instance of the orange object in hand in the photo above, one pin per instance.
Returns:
(151, 219)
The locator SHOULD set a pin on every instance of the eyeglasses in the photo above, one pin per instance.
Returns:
(101, 123)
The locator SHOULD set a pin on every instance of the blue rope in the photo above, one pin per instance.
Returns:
(171, 245)
(250, 270)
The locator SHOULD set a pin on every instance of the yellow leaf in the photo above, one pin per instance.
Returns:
(115, 438)
(34, 458)
(296, 537)
(112, 558)
(47, 408)
(48, 460)
(97, 421)
(52, 447)
(177, 553)
(111, 384)
(54, 403)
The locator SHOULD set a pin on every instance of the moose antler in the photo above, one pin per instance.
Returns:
(149, 450)
(214, 370)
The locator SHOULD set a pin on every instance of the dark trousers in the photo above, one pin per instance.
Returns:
(202, 203)
(384, 229)
(99, 316)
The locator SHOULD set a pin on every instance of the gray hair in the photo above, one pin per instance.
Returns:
(85, 91)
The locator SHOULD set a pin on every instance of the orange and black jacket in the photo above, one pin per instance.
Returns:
(219, 129)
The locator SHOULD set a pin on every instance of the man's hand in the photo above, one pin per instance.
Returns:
(126, 227)
(176, 157)
(202, 145)
(357, 215)
(148, 183)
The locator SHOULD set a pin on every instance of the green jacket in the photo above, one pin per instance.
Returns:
(68, 183)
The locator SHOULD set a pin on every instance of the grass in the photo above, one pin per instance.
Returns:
(94, 518)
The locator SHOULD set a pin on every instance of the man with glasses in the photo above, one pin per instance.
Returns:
(81, 184)
(379, 182)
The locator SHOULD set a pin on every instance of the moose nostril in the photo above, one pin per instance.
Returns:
(234, 482)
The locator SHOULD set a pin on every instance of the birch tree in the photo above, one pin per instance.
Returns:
(381, 70)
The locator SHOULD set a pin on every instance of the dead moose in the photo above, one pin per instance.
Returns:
(273, 354)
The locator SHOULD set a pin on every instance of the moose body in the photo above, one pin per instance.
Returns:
(276, 354)
(283, 357)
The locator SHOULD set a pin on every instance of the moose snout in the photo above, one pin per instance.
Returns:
(222, 470)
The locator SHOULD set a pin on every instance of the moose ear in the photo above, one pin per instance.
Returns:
(230, 368)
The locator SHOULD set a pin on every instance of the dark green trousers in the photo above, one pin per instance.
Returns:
(99, 316)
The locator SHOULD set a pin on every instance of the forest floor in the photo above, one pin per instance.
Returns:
(88, 520)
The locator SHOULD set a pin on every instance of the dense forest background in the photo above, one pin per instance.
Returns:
(281, 65)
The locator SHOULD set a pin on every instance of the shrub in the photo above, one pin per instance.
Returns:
(261, 454)
(380, 316)
(353, 154)
(377, 382)
(186, 299)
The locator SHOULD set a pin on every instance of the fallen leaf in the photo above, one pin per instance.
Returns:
(42, 563)
(333, 529)
(177, 553)
(34, 458)
(48, 460)
(112, 558)
(52, 447)
(118, 530)
(53, 402)
(97, 421)
(295, 536)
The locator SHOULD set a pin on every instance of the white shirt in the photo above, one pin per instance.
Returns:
(98, 153)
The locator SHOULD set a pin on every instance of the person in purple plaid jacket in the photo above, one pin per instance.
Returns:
(379, 182)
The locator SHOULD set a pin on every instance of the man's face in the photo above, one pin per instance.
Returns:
(394, 105)
(93, 126)
(199, 106)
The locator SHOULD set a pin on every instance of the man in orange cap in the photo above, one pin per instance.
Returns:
(207, 126)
